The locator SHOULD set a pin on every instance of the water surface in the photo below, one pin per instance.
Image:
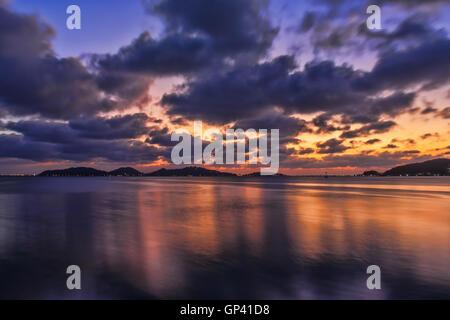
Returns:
(252, 238)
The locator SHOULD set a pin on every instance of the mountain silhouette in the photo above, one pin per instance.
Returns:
(90, 172)
(127, 172)
(189, 171)
(427, 168)
(371, 173)
(74, 172)
(131, 172)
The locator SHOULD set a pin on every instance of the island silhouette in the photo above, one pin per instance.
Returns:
(440, 167)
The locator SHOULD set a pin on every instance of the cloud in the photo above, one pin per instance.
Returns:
(308, 21)
(197, 37)
(372, 141)
(245, 91)
(322, 122)
(235, 27)
(413, 3)
(15, 146)
(426, 65)
(41, 131)
(223, 50)
(391, 105)
(18, 146)
(111, 139)
(445, 113)
(161, 137)
(404, 141)
(305, 151)
(376, 127)
(290, 127)
(129, 126)
(429, 135)
(239, 93)
(40, 83)
(428, 110)
(412, 31)
(331, 146)
(321, 86)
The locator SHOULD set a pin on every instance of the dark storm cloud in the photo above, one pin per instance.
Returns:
(234, 26)
(339, 29)
(15, 146)
(322, 122)
(119, 127)
(127, 86)
(161, 137)
(376, 127)
(308, 21)
(40, 83)
(392, 105)
(175, 54)
(289, 127)
(113, 150)
(413, 30)
(426, 65)
(51, 87)
(85, 139)
(232, 95)
(331, 146)
(245, 91)
(42, 131)
(197, 36)
(44, 140)
(335, 38)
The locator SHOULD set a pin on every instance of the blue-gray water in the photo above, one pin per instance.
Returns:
(269, 238)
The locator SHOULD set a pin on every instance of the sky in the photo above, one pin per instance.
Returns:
(345, 98)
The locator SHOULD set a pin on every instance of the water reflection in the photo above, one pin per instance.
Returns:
(291, 238)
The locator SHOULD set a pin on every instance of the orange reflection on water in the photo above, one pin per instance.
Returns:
(394, 230)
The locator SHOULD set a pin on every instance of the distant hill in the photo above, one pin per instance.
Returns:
(371, 173)
(90, 172)
(127, 171)
(74, 172)
(189, 171)
(258, 174)
(431, 167)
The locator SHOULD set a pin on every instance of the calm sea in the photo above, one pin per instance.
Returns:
(255, 238)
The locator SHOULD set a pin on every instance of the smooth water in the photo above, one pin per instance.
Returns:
(268, 238)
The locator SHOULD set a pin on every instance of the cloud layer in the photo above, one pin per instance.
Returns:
(234, 74)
